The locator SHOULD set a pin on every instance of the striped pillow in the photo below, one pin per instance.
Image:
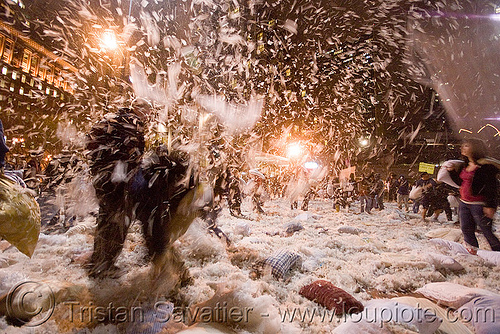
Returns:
(279, 264)
(331, 297)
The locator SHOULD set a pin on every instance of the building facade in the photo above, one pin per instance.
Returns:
(35, 87)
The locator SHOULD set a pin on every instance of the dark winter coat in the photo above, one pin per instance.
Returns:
(378, 188)
(484, 182)
(364, 186)
(403, 187)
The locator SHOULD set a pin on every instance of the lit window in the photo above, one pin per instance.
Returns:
(35, 63)
(8, 50)
(26, 61)
(14, 75)
(4, 70)
(40, 86)
(32, 82)
(21, 91)
(47, 91)
(55, 93)
(2, 83)
(42, 72)
(11, 88)
(50, 75)
(23, 78)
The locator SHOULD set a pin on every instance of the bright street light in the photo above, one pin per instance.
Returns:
(363, 142)
(294, 151)
(109, 41)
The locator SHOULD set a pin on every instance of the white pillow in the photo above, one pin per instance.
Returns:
(452, 246)
(484, 314)
(451, 294)
(441, 261)
(416, 192)
(451, 234)
(203, 328)
(453, 200)
(450, 325)
(490, 256)
(350, 230)
(380, 311)
(444, 175)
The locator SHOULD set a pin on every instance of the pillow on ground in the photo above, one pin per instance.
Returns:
(451, 234)
(293, 227)
(484, 314)
(490, 256)
(279, 264)
(399, 260)
(152, 322)
(449, 324)
(441, 261)
(451, 294)
(202, 328)
(350, 230)
(357, 327)
(379, 312)
(331, 297)
(452, 246)
(242, 228)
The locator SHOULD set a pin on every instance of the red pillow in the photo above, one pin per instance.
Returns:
(331, 297)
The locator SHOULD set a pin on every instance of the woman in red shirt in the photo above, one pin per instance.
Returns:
(478, 194)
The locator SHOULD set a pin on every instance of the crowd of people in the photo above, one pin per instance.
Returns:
(160, 189)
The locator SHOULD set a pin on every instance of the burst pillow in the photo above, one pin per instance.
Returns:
(331, 297)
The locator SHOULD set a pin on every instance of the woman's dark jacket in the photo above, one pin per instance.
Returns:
(484, 182)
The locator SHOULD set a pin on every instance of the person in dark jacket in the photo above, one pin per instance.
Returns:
(477, 178)
(365, 198)
(116, 146)
(427, 183)
(156, 189)
(377, 192)
(439, 202)
(403, 191)
(3, 147)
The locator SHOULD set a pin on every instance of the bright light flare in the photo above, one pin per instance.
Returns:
(363, 142)
(294, 151)
(109, 41)
(311, 165)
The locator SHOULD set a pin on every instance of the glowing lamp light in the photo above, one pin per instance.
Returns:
(109, 41)
(311, 165)
(294, 151)
(17, 141)
(363, 142)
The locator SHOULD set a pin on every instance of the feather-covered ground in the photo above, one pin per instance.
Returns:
(382, 255)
